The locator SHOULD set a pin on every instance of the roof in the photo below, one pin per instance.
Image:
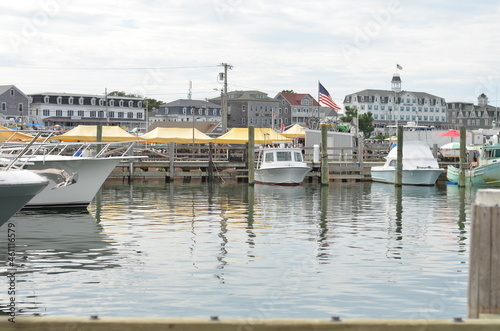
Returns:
(100, 96)
(390, 93)
(251, 95)
(87, 133)
(206, 127)
(295, 99)
(190, 103)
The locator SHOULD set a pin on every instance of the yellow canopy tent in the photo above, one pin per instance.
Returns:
(261, 136)
(88, 133)
(296, 131)
(177, 135)
(14, 136)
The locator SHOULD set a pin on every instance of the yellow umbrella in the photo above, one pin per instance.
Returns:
(177, 135)
(14, 136)
(261, 136)
(296, 131)
(88, 133)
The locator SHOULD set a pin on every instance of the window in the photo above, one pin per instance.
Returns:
(130, 114)
(20, 107)
(139, 104)
(112, 103)
(100, 113)
(184, 110)
(46, 99)
(200, 111)
(130, 104)
(101, 102)
(12, 92)
(269, 157)
(139, 115)
(92, 113)
(58, 112)
(71, 113)
(215, 112)
(120, 103)
(71, 100)
(92, 101)
(46, 112)
(298, 156)
(81, 113)
(4, 106)
(59, 100)
(80, 101)
(121, 114)
(111, 114)
(283, 156)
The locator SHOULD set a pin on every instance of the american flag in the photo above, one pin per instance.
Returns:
(326, 99)
(399, 67)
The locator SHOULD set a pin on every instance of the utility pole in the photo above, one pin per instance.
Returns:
(224, 97)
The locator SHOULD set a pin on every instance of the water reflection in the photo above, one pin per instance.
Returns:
(354, 249)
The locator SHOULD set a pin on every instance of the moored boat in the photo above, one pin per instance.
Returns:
(484, 170)
(281, 166)
(420, 167)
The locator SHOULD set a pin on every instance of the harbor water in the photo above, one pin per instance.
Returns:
(355, 250)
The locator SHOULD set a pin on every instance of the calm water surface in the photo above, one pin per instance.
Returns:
(173, 250)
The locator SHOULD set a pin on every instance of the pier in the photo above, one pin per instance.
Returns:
(221, 163)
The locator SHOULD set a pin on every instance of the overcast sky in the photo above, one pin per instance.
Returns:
(156, 47)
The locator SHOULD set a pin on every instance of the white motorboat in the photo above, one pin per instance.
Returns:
(420, 167)
(17, 187)
(89, 163)
(280, 166)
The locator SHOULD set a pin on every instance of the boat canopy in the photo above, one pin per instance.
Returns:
(261, 136)
(162, 135)
(88, 133)
(416, 154)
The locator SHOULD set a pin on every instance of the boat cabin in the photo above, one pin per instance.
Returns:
(282, 155)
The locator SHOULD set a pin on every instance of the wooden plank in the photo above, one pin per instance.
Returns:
(255, 324)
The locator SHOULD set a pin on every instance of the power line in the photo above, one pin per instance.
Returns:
(101, 68)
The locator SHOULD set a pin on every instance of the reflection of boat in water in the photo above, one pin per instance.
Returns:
(485, 168)
(59, 242)
(281, 166)
(420, 167)
(17, 187)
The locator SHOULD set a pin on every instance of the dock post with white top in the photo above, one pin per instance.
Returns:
(484, 262)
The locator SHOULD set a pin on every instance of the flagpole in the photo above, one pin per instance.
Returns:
(318, 103)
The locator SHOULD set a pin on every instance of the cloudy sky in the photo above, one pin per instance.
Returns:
(156, 47)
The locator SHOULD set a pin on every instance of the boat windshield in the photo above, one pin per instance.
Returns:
(269, 157)
(284, 156)
(298, 156)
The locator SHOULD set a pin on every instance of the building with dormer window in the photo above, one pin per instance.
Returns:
(399, 107)
(297, 108)
(473, 116)
(71, 110)
(250, 108)
(14, 105)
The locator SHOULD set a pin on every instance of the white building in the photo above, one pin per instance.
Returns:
(398, 107)
(70, 110)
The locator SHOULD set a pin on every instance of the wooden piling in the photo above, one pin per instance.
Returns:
(251, 154)
(210, 169)
(484, 262)
(325, 170)
(171, 155)
(398, 180)
(463, 158)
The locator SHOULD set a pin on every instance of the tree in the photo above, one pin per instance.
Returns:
(365, 121)
(366, 124)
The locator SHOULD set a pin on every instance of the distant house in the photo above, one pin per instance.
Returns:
(250, 108)
(70, 109)
(14, 105)
(473, 116)
(187, 110)
(297, 108)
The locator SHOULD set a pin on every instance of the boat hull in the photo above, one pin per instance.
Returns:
(409, 177)
(293, 175)
(17, 187)
(90, 174)
(486, 176)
